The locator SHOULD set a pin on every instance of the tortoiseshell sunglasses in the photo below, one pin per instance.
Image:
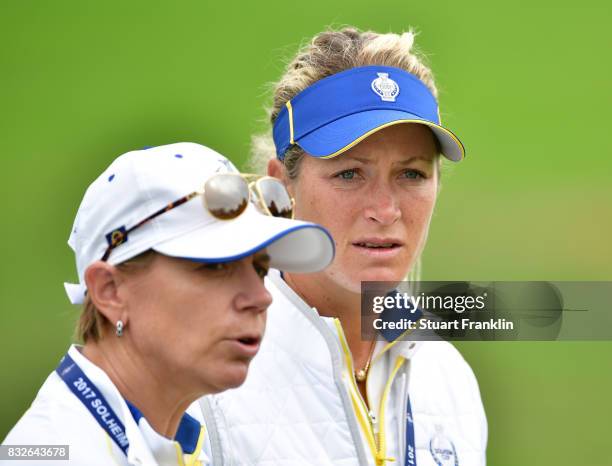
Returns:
(225, 196)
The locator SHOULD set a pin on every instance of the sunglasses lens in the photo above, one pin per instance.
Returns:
(276, 197)
(226, 196)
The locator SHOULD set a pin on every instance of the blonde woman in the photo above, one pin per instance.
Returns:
(357, 139)
(171, 257)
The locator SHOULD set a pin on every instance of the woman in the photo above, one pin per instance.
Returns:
(171, 257)
(357, 141)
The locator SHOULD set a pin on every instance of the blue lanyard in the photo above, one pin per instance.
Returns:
(410, 444)
(92, 399)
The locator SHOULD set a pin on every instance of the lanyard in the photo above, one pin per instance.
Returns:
(92, 399)
(410, 445)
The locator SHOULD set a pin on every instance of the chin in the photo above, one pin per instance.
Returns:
(380, 275)
(353, 283)
(231, 376)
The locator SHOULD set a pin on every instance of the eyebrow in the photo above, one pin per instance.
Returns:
(407, 161)
(415, 158)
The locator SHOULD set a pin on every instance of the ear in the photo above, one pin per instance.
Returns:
(277, 170)
(103, 281)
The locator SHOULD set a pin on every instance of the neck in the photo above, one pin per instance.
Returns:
(331, 300)
(139, 381)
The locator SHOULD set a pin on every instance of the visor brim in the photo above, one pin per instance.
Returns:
(340, 135)
(293, 246)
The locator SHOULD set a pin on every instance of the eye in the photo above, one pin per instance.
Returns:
(412, 174)
(261, 269)
(346, 174)
(215, 266)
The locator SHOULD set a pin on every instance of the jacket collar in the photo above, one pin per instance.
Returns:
(398, 341)
(146, 445)
(186, 436)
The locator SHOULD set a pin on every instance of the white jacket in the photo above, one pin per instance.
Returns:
(300, 404)
(58, 417)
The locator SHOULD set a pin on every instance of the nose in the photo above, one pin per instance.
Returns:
(382, 205)
(252, 295)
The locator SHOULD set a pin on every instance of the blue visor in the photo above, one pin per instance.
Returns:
(339, 111)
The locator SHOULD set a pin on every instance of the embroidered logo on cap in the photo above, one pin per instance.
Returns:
(117, 237)
(385, 87)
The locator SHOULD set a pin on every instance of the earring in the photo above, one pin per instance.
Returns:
(119, 330)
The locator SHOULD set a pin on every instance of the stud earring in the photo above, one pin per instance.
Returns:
(119, 330)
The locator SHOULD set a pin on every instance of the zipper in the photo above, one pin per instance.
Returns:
(212, 429)
(363, 415)
(382, 440)
(374, 429)
(402, 418)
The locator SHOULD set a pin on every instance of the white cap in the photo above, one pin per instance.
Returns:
(141, 182)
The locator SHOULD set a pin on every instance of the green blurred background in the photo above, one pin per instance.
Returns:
(528, 88)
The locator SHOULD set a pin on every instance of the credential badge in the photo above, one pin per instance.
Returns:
(385, 87)
(442, 449)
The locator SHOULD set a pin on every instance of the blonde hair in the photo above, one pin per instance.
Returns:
(328, 53)
(90, 325)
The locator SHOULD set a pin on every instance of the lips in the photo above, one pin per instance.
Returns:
(247, 345)
(249, 340)
(378, 243)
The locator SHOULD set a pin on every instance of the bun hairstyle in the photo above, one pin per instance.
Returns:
(328, 53)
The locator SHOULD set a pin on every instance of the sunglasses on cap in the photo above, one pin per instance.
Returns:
(225, 196)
